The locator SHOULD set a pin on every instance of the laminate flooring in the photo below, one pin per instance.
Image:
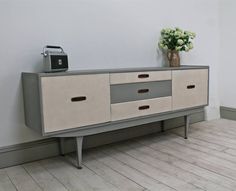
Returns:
(157, 162)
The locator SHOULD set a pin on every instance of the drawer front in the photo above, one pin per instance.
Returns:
(132, 77)
(140, 91)
(75, 101)
(132, 109)
(189, 88)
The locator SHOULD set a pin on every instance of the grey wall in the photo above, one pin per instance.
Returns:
(95, 34)
(227, 52)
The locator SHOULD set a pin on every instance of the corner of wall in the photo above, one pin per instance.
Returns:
(212, 112)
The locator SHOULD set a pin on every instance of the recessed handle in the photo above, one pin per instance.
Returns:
(141, 91)
(50, 46)
(143, 76)
(190, 86)
(144, 107)
(79, 98)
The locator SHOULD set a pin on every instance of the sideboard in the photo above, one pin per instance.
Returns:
(80, 103)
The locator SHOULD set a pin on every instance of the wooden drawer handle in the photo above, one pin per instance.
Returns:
(143, 76)
(79, 98)
(141, 91)
(144, 107)
(190, 86)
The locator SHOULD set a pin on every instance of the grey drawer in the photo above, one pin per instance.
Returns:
(140, 91)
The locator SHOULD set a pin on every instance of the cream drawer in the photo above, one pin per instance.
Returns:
(132, 77)
(189, 88)
(75, 101)
(140, 108)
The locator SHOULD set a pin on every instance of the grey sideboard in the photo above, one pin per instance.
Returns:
(80, 103)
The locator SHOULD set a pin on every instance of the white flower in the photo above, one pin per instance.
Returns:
(193, 34)
(165, 47)
(177, 39)
(168, 30)
(178, 48)
(180, 42)
(190, 45)
(186, 48)
(178, 29)
(161, 45)
(178, 33)
(183, 35)
(166, 35)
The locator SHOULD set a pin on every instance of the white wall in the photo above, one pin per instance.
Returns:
(227, 72)
(95, 34)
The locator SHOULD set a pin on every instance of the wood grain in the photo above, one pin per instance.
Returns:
(157, 162)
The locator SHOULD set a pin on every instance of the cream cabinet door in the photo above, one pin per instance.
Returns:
(75, 101)
(189, 88)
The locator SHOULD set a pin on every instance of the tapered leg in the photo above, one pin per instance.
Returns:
(187, 121)
(62, 146)
(162, 126)
(79, 143)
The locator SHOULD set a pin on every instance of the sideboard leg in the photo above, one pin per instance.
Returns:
(62, 146)
(187, 121)
(162, 126)
(79, 143)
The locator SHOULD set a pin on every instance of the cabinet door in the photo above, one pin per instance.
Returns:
(189, 88)
(75, 101)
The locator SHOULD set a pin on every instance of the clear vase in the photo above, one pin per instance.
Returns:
(173, 58)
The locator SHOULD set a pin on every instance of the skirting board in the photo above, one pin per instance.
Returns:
(37, 150)
(228, 113)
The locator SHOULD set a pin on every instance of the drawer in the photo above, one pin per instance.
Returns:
(189, 88)
(140, 91)
(75, 101)
(140, 108)
(132, 77)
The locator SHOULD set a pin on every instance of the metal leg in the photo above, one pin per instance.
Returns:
(79, 143)
(187, 121)
(162, 126)
(62, 146)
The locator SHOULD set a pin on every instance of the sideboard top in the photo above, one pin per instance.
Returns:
(118, 70)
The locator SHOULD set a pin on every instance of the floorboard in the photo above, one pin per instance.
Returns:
(22, 180)
(110, 175)
(75, 179)
(170, 169)
(203, 160)
(188, 166)
(40, 175)
(131, 173)
(5, 182)
(150, 171)
(157, 162)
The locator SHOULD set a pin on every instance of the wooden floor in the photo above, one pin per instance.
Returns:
(160, 162)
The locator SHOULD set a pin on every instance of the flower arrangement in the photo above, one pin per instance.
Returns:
(176, 40)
